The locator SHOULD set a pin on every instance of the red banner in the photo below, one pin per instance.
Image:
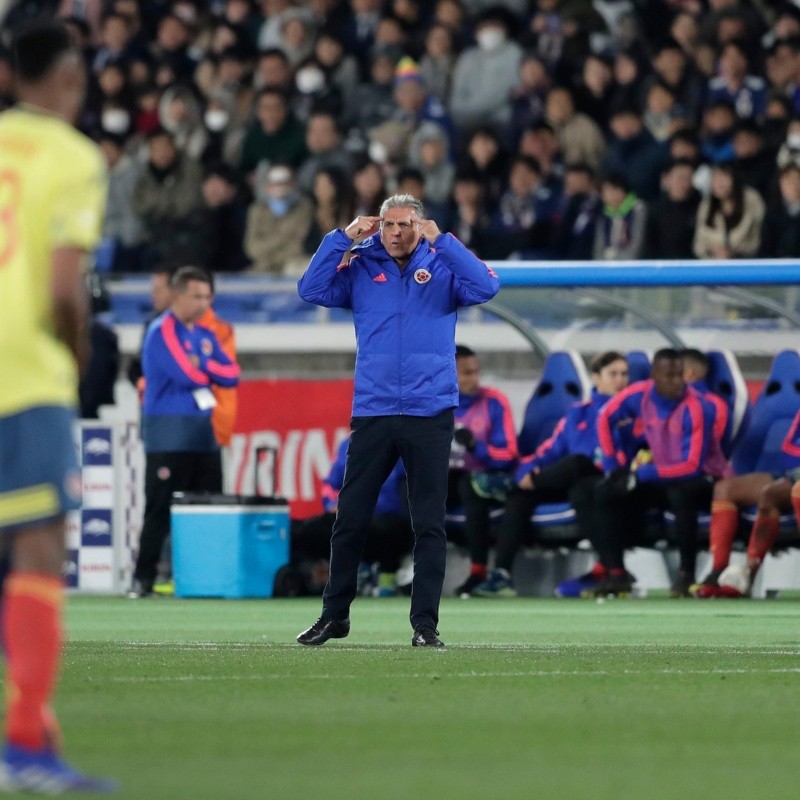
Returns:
(304, 421)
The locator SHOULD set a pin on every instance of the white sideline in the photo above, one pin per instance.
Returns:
(600, 673)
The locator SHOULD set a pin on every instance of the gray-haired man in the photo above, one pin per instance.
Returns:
(404, 280)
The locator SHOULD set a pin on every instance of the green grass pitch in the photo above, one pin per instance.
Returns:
(542, 699)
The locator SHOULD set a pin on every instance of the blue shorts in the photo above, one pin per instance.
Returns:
(39, 474)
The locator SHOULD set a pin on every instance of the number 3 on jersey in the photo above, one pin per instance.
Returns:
(9, 205)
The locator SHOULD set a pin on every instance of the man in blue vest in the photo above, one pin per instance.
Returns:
(404, 281)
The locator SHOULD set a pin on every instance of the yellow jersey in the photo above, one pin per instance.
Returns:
(53, 187)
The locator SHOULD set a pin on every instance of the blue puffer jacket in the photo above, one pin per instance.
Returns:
(178, 360)
(405, 320)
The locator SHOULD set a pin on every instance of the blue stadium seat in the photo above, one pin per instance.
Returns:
(638, 366)
(564, 381)
(726, 380)
(759, 447)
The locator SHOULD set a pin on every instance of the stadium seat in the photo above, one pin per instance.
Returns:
(726, 380)
(639, 366)
(564, 381)
(759, 447)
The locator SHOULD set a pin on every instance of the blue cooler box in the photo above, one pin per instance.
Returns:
(227, 545)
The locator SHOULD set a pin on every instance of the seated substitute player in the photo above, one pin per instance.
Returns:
(695, 372)
(389, 537)
(484, 446)
(563, 468)
(773, 494)
(52, 192)
(659, 451)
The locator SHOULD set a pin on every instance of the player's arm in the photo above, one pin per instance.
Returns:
(70, 305)
(475, 282)
(220, 367)
(625, 405)
(163, 355)
(556, 446)
(500, 449)
(326, 281)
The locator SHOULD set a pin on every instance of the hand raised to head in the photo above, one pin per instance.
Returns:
(429, 230)
(361, 227)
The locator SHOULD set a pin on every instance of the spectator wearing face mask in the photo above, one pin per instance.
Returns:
(179, 111)
(115, 119)
(278, 222)
(228, 74)
(496, 60)
(789, 151)
(225, 134)
(315, 92)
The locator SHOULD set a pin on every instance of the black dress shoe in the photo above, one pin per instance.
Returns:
(324, 629)
(426, 637)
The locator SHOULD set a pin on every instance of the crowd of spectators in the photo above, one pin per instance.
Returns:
(237, 132)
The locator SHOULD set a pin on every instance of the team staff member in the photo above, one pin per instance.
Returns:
(181, 361)
(404, 280)
(675, 427)
(484, 446)
(564, 467)
(52, 193)
(695, 372)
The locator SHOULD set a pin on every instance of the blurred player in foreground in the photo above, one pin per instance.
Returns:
(52, 192)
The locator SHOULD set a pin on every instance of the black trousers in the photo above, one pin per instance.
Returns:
(375, 445)
(618, 517)
(571, 479)
(166, 473)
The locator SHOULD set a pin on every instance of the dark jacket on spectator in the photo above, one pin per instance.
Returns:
(225, 229)
(169, 203)
(670, 227)
(287, 145)
(758, 171)
(780, 234)
(639, 159)
(573, 235)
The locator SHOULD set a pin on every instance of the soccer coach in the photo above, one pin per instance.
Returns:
(404, 281)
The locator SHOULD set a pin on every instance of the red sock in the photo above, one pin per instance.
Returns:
(478, 569)
(763, 536)
(796, 502)
(598, 571)
(724, 524)
(32, 628)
